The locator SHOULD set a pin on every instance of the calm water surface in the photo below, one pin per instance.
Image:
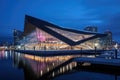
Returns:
(16, 66)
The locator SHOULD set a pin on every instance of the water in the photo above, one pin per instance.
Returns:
(84, 75)
(8, 71)
(16, 66)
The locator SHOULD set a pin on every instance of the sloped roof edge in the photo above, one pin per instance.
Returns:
(31, 19)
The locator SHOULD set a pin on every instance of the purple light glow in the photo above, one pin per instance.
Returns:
(40, 36)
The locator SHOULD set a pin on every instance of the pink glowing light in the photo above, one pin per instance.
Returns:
(40, 36)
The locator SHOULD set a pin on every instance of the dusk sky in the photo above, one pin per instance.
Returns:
(75, 14)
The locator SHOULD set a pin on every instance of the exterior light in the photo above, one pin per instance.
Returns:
(116, 46)
(19, 47)
(6, 47)
(96, 44)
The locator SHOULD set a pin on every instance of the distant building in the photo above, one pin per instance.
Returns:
(96, 40)
(17, 34)
(91, 29)
(108, 39)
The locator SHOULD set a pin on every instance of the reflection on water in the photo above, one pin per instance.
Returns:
(51, 68)
(39, 67)
(3, 54)
(84, 75)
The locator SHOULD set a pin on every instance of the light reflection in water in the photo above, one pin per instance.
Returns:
(63, 69)
(48, 69)
(41, 72)
(70, 66)
(10, 53)
(67, 67)
(42, 65)
(4, 54)
(53, 74)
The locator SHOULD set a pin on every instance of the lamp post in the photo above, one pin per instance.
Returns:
(116, 47)
(96, 44)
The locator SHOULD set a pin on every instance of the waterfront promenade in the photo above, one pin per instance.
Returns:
(100, 61)
(60, 52)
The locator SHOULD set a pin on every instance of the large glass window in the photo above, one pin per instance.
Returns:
(49, 42)
(70, 35)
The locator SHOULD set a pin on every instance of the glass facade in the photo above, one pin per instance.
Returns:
(40, 40)
(70, 35)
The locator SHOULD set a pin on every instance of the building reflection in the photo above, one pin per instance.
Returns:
(43, 68)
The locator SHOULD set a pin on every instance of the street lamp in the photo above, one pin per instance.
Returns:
(116, 47)
(96, 44)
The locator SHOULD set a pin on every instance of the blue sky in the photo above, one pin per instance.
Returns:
(75, 14)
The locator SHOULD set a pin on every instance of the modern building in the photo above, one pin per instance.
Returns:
(108, 39)
(41, 35)
(100, 41)
(17, 36)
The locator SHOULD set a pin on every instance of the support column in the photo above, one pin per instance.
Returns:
(115, 53)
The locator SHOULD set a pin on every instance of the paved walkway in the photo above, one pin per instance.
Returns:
(102, 61)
